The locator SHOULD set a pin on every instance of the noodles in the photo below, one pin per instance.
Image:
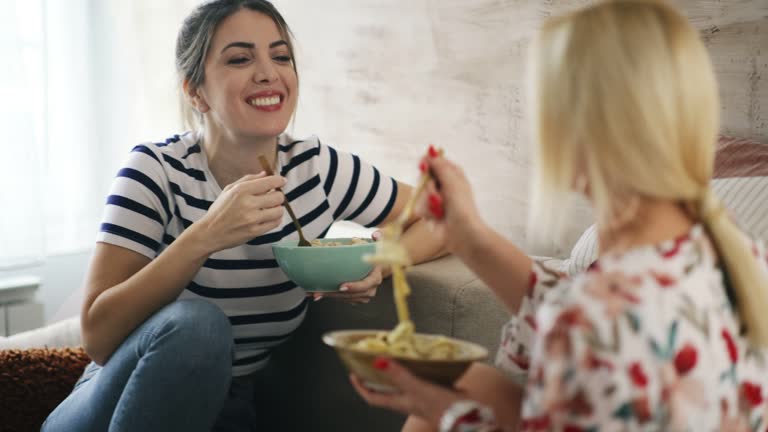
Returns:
(353, 241)
(402, 340)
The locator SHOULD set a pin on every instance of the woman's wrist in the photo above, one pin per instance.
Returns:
(386, 271)
(193, 241)
(465, 416)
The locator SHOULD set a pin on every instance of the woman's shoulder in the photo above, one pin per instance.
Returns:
(179, 147)
(648, 271)
(617, 290)
(644, 290)
(295, 145)
(178, 156)
(593, 300)
(287, 143)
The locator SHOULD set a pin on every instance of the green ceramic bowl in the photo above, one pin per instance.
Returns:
(324, 268)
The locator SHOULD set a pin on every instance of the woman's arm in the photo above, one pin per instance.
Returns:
(420, 243)
(496, 261)
(124, 288)
(483, 399)
(500, 264)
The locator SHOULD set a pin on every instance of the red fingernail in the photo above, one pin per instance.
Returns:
(381, 363)
(423, 166)
(433, 152)
(436, 206)
(435, 198)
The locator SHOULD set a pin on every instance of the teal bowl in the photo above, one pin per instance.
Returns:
(324, 268)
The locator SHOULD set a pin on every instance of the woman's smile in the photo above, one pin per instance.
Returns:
(267, 100)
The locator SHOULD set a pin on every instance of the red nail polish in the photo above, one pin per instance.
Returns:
(433, 152)
(423, 166)
(435, 199)
(437, 212)
(381, 363)
(436, 206)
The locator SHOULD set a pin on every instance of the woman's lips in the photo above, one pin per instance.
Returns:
(266, 101)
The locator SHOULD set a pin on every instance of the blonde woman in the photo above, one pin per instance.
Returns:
(666, 331)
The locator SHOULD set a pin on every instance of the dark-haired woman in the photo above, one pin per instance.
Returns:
(184, 300)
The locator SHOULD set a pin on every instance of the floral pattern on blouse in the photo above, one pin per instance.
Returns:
(644, 340)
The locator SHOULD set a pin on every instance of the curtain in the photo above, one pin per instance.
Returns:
(82, 82)
(22, 131)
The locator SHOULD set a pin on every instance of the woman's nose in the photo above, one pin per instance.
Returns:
(264, 73)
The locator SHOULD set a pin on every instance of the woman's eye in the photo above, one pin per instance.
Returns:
(282, 59)
(238, 60)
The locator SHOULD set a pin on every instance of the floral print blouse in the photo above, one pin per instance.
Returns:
(645, 340)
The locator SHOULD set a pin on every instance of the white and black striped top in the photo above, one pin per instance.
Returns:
(165, 187)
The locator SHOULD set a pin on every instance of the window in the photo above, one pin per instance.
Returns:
(82, 82)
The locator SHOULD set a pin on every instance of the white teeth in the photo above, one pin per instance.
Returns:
(265, 101)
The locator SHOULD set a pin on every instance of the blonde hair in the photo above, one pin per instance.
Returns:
(624, 95)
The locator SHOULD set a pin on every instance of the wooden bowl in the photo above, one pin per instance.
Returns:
(439, 371)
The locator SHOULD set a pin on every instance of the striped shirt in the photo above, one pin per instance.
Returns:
(165, 187)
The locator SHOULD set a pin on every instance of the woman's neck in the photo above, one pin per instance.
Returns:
(655, 221)
(230, 157)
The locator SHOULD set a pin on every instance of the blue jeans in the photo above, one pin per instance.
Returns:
(172, 373)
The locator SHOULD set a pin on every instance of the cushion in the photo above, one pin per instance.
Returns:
(61, 334)
(34, 382)
(584, 252)
(740, 179)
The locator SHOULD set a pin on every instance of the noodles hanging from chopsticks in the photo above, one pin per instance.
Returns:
(402, 340)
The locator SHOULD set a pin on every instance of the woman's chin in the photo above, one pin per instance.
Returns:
(265, 131)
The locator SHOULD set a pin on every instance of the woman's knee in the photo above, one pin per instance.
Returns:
(197, 324)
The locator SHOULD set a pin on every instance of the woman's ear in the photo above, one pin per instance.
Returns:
(195, 97)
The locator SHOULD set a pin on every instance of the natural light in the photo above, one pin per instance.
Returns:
(83, 82)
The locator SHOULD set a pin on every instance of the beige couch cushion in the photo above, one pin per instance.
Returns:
(448, 299)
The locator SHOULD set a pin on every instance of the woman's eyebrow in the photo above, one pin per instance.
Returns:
(250, 45)
(239, 45)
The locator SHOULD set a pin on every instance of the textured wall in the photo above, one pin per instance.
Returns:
(384, 78)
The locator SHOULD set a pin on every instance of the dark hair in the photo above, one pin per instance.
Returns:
(196, 34)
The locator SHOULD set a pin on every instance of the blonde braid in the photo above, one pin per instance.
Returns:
(748, 279)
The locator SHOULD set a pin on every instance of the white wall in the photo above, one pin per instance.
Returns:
(61, 283)
(384, 78)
